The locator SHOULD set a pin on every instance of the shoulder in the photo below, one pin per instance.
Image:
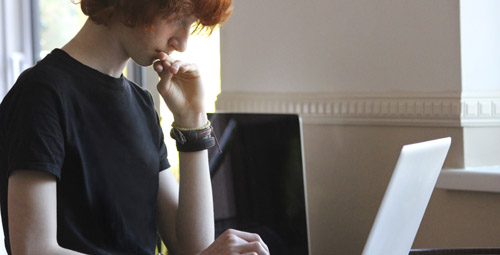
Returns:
(36, 89)
(47, 74)
(142, 93)
(33, 85)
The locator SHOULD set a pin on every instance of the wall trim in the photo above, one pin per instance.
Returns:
(446, 109)
(480, 108)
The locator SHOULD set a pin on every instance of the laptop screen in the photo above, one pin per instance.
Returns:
(406, 197)
(258, 179)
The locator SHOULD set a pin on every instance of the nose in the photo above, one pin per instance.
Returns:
(180, 40)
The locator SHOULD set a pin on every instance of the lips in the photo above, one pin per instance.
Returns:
(169, 52)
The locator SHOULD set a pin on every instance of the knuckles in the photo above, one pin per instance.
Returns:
(231, 239)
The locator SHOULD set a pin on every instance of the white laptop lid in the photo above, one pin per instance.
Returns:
(406, 198)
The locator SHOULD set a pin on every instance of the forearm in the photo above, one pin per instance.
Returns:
(195, 219)
(181, 88)
(54, 250)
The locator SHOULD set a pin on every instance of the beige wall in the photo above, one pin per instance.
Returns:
(308, 50)
(348, 169)
(342, 45)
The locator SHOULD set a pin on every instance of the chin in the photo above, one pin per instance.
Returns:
(144, 62)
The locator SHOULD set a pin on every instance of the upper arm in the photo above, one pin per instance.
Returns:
(168, 203)
(32, 211)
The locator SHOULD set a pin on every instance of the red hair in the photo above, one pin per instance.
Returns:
(143, 12)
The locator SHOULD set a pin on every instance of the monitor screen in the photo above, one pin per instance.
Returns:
(258, 179)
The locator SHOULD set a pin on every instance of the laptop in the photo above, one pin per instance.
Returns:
(259, 186)
(258, 178)
(406, 197)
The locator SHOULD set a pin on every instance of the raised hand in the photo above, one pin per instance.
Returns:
(181, 88)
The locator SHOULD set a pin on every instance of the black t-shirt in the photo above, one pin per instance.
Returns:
(101, 138)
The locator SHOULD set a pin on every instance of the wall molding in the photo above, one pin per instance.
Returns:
(480, 108)
(447, 109)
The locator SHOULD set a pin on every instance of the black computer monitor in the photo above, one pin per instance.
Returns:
(258, 179)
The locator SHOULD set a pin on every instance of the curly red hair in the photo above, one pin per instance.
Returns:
(143, 12)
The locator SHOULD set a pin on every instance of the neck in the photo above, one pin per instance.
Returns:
(98, 47)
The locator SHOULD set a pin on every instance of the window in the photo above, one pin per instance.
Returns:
(59, 21)
(3, 81)
(16, 45)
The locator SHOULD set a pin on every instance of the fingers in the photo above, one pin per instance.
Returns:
(158, 67)
(166, 62)
(163, 64)
(249, 237)
(253, 247)
(243, 242)
(237, 242)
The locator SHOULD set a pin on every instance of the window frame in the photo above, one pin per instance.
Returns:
(3, 71)
(16, 49)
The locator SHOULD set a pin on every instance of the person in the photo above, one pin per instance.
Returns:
(82, 158)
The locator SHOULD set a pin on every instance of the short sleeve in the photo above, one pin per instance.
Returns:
(32, 133)
(164, 164)
(162, 148)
